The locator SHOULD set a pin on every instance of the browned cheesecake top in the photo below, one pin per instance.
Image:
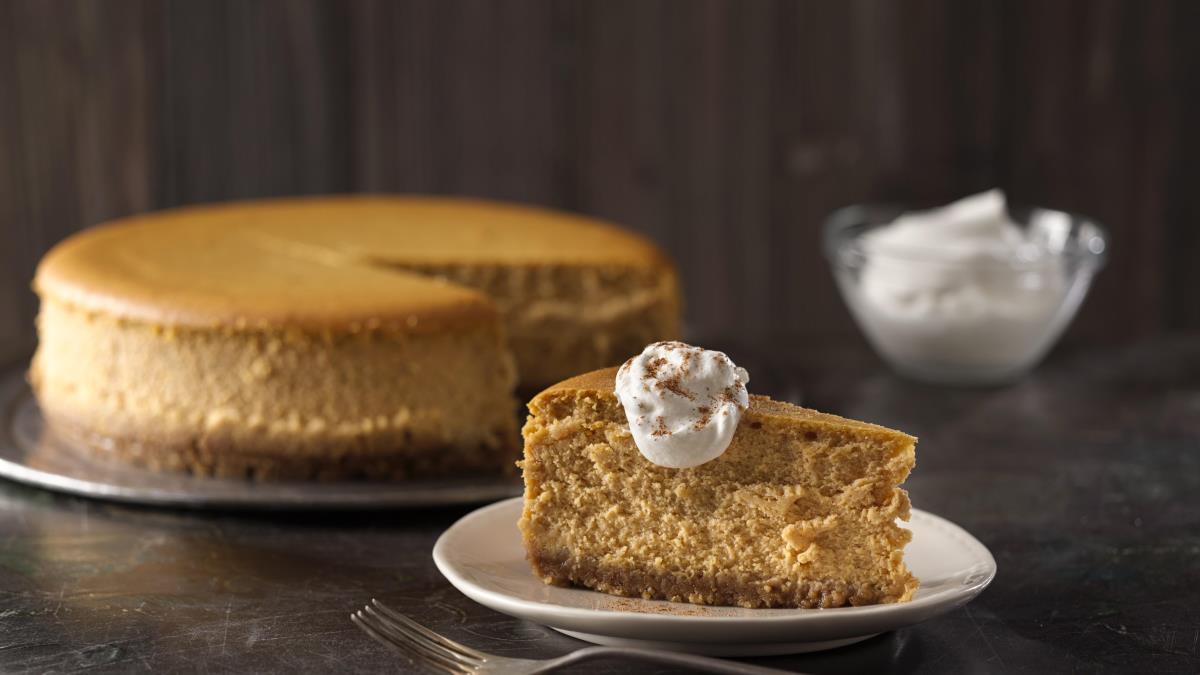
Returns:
(320, 262)
(603, 382)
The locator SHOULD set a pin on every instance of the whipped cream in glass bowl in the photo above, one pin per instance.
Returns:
(975, 292)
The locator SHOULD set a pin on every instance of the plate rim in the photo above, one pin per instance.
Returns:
(904, 613)
(15, 393)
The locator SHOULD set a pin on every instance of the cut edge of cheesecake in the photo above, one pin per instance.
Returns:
(749, 529)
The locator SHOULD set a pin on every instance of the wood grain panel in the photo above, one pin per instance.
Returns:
(79, 134)
(726, 130)
(1178, 207)
(1090, 127)
(256, 96)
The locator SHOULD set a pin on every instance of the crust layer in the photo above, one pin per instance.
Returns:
(567, 570)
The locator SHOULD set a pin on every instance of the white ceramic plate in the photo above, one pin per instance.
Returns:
(482, 556)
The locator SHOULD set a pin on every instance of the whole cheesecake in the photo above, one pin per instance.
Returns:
(333, 337)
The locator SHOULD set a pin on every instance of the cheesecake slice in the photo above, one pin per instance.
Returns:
(800, 510)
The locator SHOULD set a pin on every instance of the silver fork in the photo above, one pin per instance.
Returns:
(442, 654)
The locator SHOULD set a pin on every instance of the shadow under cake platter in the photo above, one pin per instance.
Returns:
(33, 453)
(482, 556)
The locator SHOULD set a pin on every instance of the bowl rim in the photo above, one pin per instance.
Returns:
(836, 243)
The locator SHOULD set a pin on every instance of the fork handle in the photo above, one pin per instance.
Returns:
(700, 663)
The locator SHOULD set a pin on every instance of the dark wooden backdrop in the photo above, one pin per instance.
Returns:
(725, 130)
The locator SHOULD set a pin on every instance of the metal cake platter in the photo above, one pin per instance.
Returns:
(31, 453)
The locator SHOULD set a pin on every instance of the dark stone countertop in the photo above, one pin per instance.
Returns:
(1083, 480)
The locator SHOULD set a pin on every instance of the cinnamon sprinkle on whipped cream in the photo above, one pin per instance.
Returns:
(683, 403)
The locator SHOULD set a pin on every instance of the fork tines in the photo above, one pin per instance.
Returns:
(394, 629)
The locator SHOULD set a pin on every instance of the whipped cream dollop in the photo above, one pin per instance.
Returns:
(683, 402)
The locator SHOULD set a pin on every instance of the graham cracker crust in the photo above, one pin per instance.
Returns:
(564, 570)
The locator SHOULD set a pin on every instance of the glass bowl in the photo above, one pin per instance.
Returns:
(985, 319)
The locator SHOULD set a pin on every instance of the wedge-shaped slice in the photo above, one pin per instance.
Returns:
(800, 511)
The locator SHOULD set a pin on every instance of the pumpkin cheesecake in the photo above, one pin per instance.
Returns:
(682, 490)
(333, 337)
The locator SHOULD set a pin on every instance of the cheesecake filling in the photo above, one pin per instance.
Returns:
(683, 403)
